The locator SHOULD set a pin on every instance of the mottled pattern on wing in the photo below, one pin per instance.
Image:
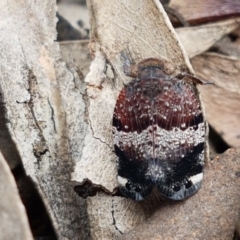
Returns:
(151, 122)
(159, 129)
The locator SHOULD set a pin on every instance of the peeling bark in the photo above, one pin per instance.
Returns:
(40, 96)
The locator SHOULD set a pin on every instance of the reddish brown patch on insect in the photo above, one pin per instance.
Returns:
(159, 130)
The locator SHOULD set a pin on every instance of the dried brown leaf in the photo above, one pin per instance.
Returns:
(197, 40)
(229, 45)
(205, 11)
(221, 101)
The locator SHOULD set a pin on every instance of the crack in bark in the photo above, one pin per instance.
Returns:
(39, 154)
(90, 124)
(39, 147)
(114, 220)
(52, 116)
(32, 84)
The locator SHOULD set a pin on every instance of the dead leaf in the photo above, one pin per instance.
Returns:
(205, 11)
(197, 40)
(221, 101)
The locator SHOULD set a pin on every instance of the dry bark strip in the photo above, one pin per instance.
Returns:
(13, 218)
(43, 104)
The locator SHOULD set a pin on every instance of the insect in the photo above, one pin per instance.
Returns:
(159, 132)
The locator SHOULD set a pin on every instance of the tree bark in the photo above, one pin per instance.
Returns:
(44, 106)
(13, 218)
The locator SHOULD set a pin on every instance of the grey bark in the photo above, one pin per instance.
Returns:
(40, 96)
(13, 218)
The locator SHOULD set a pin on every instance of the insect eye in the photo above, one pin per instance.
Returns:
(188, 184)
(128, 186)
